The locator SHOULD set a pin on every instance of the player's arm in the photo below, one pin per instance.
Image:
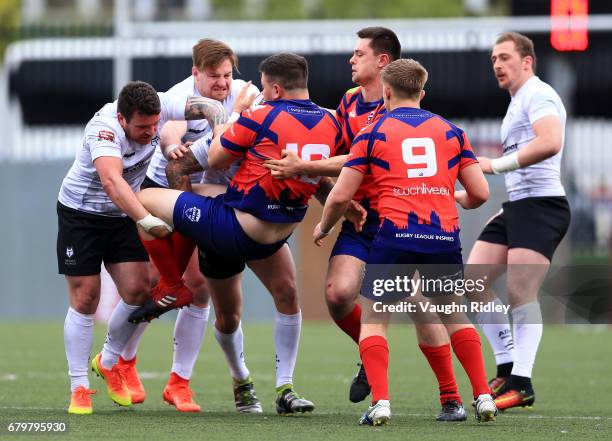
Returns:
(179, 169)
(337, 202)
(291, 165)
(355, 213)
(170, 139)
(110, 170)
(547, 142)
(476, 187)
(199, 107)
(219, 158)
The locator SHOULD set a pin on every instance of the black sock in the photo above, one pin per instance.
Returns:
(520, 383)
(504, 369)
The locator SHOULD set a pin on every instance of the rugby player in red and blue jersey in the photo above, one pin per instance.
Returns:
(252, 221)
(414, 158)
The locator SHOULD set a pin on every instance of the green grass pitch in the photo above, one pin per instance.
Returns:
(572, 383)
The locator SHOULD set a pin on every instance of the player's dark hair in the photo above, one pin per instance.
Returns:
(522, 43)
(138, 96)
(287, 69)
(384, 41)
(211, 53)
(406, 77)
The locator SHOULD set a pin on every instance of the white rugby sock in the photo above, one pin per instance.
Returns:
(78, 340)
(528, 328)
(131, 347)
(286, 342)
(496, 326)
(233, 348)
(189, 331)
(119, 333)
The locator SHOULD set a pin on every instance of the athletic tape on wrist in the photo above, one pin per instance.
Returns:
(505, 163)
(150, 221)
(233, 117)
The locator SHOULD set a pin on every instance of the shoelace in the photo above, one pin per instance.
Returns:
(116, 378)
(246, 393)
(83, 394)
(450, 406)
(183, 393)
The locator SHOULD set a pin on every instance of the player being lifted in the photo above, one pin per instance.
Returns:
(212, 77)
(410, 147)
(376, 47)
(530, 226)
(253, 219)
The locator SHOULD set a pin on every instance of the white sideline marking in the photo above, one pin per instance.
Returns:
(416, 415)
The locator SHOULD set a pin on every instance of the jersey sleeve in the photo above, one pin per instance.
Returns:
(540, 105)
(200, 150)
(467, 153)
(358, 156)
(102, 140)
(172, 106)
(241, 135)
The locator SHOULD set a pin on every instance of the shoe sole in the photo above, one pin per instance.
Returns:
(80, 412)
(487, 416)
(380, 421)
(293, 412)
(171, 403)
(96, 370)
(250, 409)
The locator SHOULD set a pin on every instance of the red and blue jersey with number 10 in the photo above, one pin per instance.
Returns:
(414, 157)
(260, 134)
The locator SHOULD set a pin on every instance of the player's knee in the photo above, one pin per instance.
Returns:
(285, 294)
(136, 292)
(227, 323)
(85, 300)
(338, 295)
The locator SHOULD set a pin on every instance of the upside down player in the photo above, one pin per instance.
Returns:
(252, 221)
(389, 150)
(360, 106)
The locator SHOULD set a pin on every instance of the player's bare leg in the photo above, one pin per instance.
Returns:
(344, 278)
(171, 254)
(526, 272)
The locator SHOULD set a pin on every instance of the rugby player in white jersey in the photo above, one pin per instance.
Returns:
(528, 229)
(97, 215)
(212, 77)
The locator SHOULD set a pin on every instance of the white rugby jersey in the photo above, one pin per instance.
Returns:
(200, 150)
(196, 129)
(81, 188)
(534, 100)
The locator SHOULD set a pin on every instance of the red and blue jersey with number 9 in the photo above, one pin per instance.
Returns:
(414, 157)
(260, 134)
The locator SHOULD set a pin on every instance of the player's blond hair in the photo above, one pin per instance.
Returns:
(209, 53)
(406, 77)
(522, 43)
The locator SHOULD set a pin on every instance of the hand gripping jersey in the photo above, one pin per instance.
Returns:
(81, 188)
(196, 128)
(534, 100)
(260, 134)
(201, 149)
(354, 114)
(414, 157)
